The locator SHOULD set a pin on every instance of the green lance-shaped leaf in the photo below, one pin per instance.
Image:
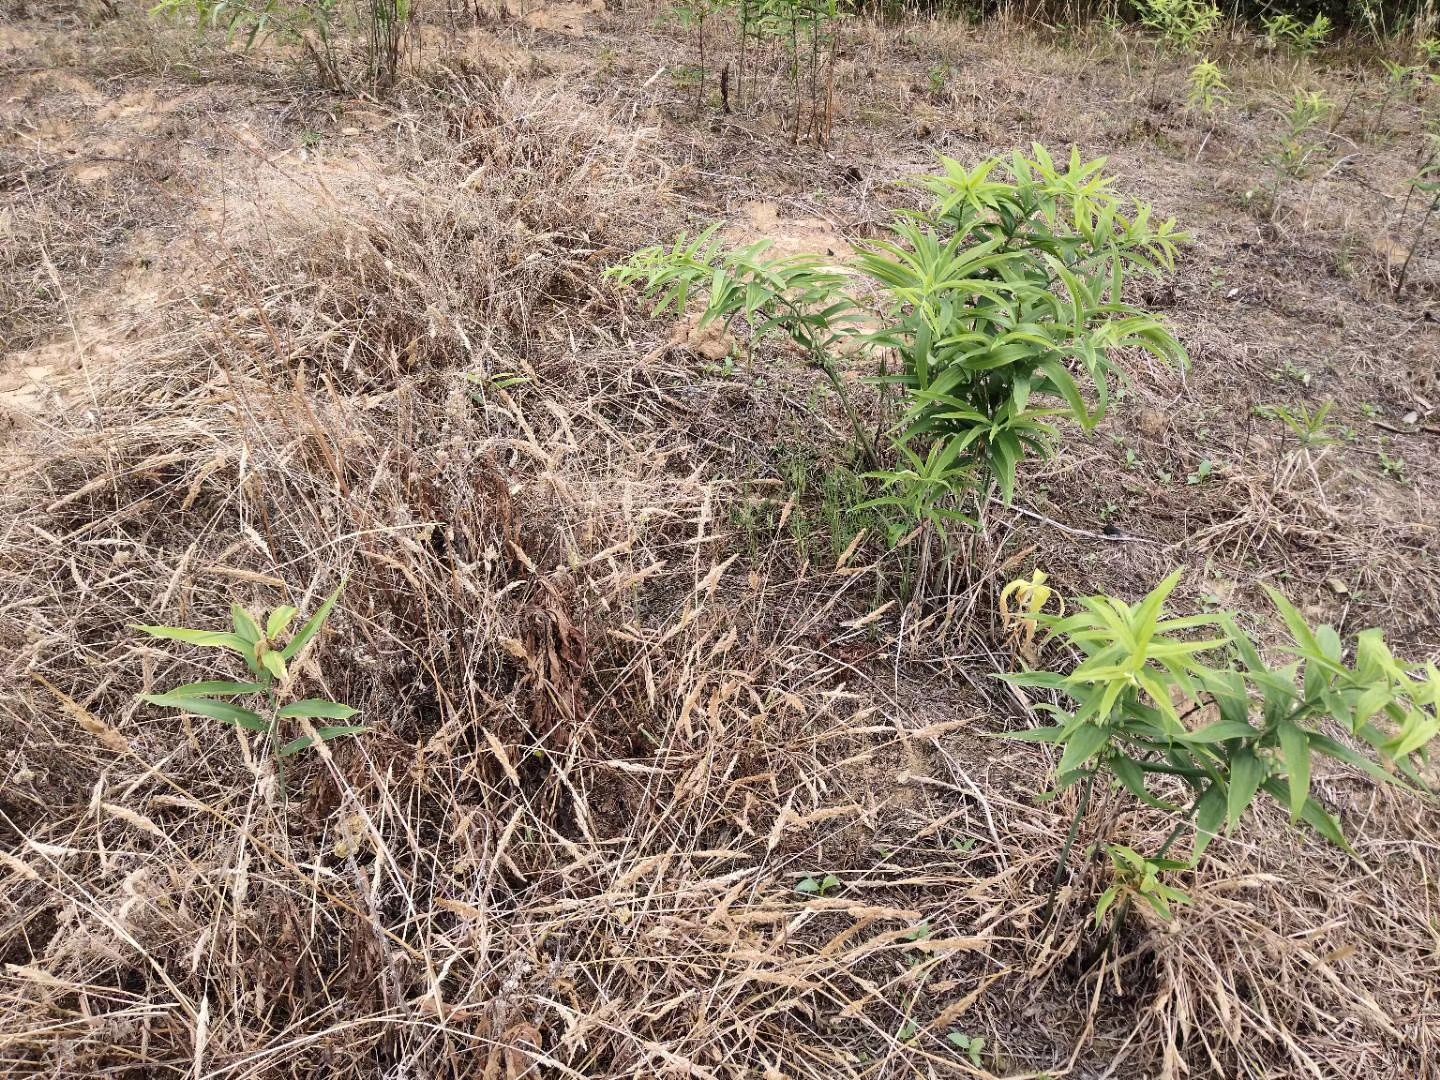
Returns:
(210, 639)
(218, 710)
(317, 708)
(1247, 773)
(216, 688)
(1295, 752)
(1209, 816)
(311, 628)
(1086, 741)
(245, 626)
(279, 621)
(324, 734)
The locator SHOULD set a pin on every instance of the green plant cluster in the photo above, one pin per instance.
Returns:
(997, 299)
(1145, 677)
(1285, 31)
(1205, 87)
(1183, 25)
(1301, 144)
(262, 645)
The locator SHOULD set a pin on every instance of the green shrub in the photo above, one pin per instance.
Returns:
(997, 298)
(1302, 39)
(1300, 146)
(1206, 87)
(1144, 675)
(1182, 24)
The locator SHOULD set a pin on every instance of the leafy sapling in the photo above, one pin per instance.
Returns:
(1206, 88)
(268, 652)
(1137, 877)
(996, 300)
(1284, 31)
(1300, 147)
(1145, 675)
(1182, 24)
(1399, 78)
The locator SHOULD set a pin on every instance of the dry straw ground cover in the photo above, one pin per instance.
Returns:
(665, 774)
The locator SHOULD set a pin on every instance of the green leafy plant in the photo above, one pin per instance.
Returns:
(1301, 39)
(821, 886)
(801, 296)
(1398, 79)
(937, 77)
(1139, 877)
(918, 487)
(995, 299)
(1310, 428)
(972, 1046)
(268, 650)
(1392, 467)
(1299, 147)
(1181, 24)
(1143, 677)
(1206, 87)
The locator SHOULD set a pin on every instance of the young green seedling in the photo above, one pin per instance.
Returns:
(268, 650)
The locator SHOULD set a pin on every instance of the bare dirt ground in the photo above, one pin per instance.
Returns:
(628, 680)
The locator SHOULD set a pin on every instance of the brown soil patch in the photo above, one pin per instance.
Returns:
(803, 235)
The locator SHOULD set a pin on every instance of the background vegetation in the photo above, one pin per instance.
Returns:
(977, 627)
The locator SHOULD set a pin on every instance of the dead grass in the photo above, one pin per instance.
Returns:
(614, 727)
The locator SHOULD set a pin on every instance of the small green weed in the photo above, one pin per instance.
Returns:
(1300, 39)
(267, 653)
(973, 1047)
(818, 886)
(1298, 148)
(1310, 428)
(1206, 87)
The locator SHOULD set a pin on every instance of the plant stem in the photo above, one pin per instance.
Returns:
(795, 75)
(1419, 236)
(273, 737)
(1180, 826)
(740, 67)
(700, 34)
(1070, 837)
(867, 447)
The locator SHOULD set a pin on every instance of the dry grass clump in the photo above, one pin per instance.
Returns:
(595, 776)
(607, 743)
